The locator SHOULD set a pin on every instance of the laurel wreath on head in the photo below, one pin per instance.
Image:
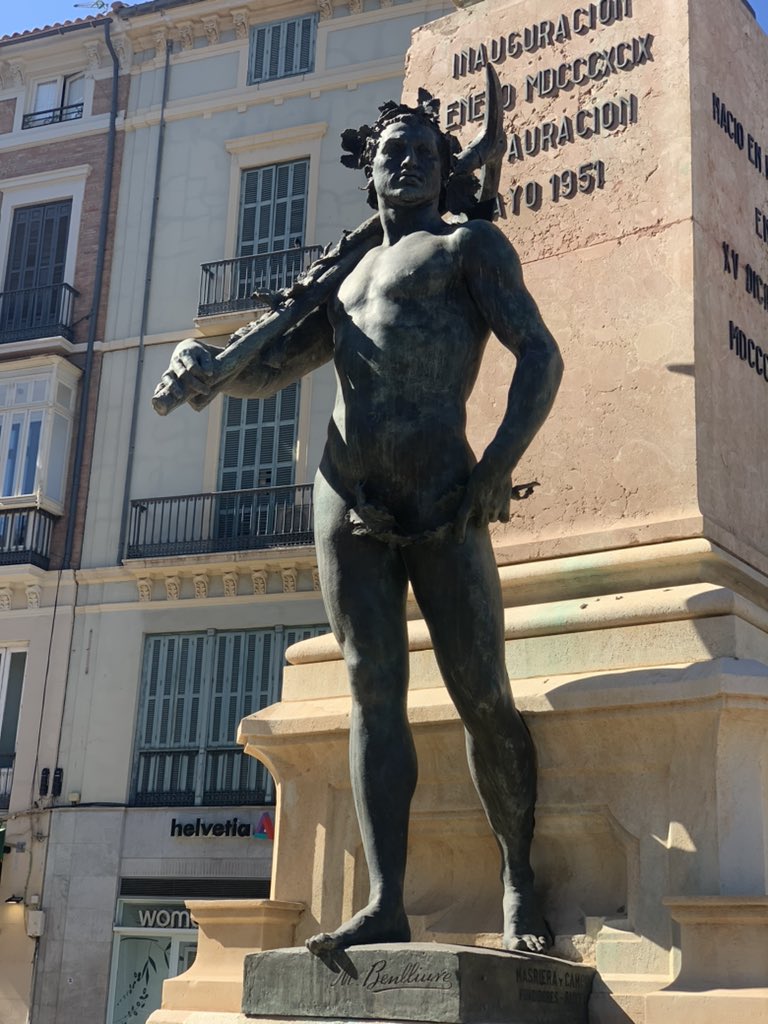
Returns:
(360, 144)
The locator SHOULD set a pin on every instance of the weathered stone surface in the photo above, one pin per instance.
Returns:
(417, 982)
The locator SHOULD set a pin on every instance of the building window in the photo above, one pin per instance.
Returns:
(273, 206)
(36, 413)
(35, 301)
(196, 687)
(61, 98)
(282, 49)
(12, 665)
(258, 445)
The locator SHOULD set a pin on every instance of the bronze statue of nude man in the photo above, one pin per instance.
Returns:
(400, 498)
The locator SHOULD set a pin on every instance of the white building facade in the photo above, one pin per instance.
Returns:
(198, 565)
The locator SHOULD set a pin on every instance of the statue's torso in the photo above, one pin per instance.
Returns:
(408, 344)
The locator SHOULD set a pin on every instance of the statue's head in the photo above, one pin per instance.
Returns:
(398, 130)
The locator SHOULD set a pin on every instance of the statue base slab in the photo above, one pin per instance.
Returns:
(426, 982)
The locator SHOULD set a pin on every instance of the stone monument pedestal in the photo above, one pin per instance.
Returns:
(227, 931)
(423, 982)
(642, 675)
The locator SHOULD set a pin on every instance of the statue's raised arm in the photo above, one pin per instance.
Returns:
(254, 363)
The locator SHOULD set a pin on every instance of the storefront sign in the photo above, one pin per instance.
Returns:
(232, 828)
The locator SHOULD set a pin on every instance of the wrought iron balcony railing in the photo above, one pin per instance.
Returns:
(197, 524)
(227, 286)
(169, 778)
(25, 536)
(6, 779)
(37, 313)
(72, 112)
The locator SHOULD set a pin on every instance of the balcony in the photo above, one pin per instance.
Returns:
(37, 313)
(227, 286)
(72, 112)
(25, 536)
(168, 778)
(199, 524)
(6, 779)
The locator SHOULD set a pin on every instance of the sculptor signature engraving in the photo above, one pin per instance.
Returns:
(380, 978)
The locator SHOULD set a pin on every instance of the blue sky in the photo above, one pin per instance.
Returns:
(16, 16)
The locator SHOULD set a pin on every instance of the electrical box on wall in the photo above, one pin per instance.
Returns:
(35, 923)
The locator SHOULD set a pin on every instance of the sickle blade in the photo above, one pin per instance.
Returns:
(486, 152)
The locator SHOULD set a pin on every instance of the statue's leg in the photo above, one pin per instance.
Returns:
(458, 590)
(364, 587)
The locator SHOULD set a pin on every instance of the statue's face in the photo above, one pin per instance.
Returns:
(406, 167)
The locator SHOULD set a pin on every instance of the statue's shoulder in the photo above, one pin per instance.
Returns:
(480, 241)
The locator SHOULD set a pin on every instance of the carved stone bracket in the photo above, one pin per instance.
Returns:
(240, 17)
(172, 588)
(186, 34)
(144, 586)
(93, 56)
(160, 41)
(355, 6)
(17, 75)
(315, 578)
(290, 577)
(121, 49)
(325, 8)
(201, 585)
(33, 595)
(6, 599)
(230, 580)
(211, 29)
(259, 578)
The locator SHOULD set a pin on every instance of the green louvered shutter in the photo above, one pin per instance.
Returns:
(281, 49)
(169, 733)
(273, 203)
(38, 248)
(258, 445)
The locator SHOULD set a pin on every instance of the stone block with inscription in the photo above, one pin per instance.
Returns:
(425, 982)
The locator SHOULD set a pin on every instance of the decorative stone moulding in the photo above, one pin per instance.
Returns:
(201, 585)
(33, 595)
(173, 587)
(17, 75)
(325, 8)
(355, 6)
(315, 578)
(230, 581)
(144, 586)
(6, 599)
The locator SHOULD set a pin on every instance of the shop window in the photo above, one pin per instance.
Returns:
(12, 666)
(196, 687)
(154, 940)
(36, 414)
(282, 49)
(56, 99)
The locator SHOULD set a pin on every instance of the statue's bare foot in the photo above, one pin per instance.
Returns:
(524, 927)
(372, 924)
